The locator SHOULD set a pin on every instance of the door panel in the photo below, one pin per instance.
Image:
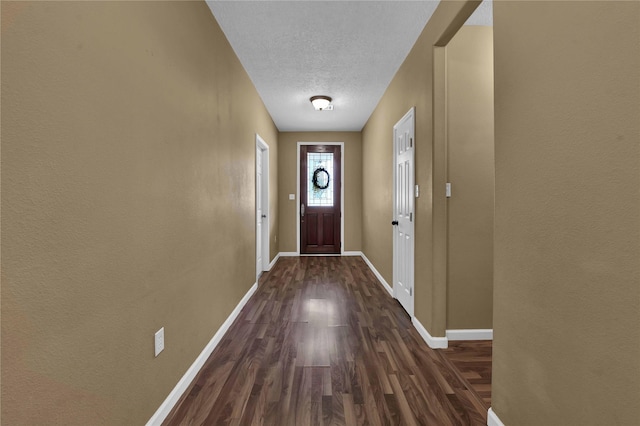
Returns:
(312, 228)
(328, 230)
(320, 186)
(262, 206)
(403, 232)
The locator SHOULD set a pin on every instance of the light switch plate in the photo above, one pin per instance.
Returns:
(159, 341)
(292, 196)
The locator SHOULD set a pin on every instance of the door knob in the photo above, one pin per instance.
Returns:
(394, 222)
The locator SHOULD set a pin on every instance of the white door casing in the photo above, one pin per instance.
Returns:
(262, 206)
(404, 210)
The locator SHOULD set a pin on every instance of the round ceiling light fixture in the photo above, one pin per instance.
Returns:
(320, 102)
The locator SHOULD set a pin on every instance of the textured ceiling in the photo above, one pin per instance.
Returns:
(349, 50)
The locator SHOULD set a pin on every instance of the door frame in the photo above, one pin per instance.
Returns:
(342, 243)
(263, 187)
(411, 114)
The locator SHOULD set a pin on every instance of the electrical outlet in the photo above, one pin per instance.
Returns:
(159, 341)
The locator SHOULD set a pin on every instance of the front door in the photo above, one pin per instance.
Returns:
(403, 211)
(320, 185)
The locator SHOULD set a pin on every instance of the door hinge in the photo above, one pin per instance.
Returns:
(411, 142)
(410, 217)
(411, 291)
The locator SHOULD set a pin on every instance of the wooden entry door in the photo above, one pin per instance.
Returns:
(320, 185)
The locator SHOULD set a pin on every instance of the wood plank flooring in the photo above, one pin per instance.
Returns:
(472, 360)
(322, 343)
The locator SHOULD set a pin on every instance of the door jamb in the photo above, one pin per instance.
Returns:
(264, 188)
(341, 144)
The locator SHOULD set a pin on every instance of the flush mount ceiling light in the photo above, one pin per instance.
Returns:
(321, 103)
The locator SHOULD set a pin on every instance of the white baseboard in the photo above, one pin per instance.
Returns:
(493, 419)
(432, 342)
(471, 334)
(165, 408)
(378, 275)
(288, 254)
(294, 254)
(273, 262)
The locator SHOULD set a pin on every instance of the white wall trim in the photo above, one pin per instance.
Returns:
(273, 262)
(471, 334)
(288, 254)
(352, 253)
(165, 408)
(493, 419)
(432, 342)
(378, 275)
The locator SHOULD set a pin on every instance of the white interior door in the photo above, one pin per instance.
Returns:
(403, 209)
(262, 206)
(259, 214)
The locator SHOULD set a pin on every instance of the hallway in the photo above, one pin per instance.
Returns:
(128, 233)
(321, 343)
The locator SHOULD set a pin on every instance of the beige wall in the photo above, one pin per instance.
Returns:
(411, 86)
(567, 246)
(352, 181)
(470, 167)
(128, 174)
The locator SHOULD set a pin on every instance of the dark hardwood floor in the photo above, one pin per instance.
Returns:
(322, 343)
(472, 360)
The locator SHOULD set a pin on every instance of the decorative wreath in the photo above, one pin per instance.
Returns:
(316, 174)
